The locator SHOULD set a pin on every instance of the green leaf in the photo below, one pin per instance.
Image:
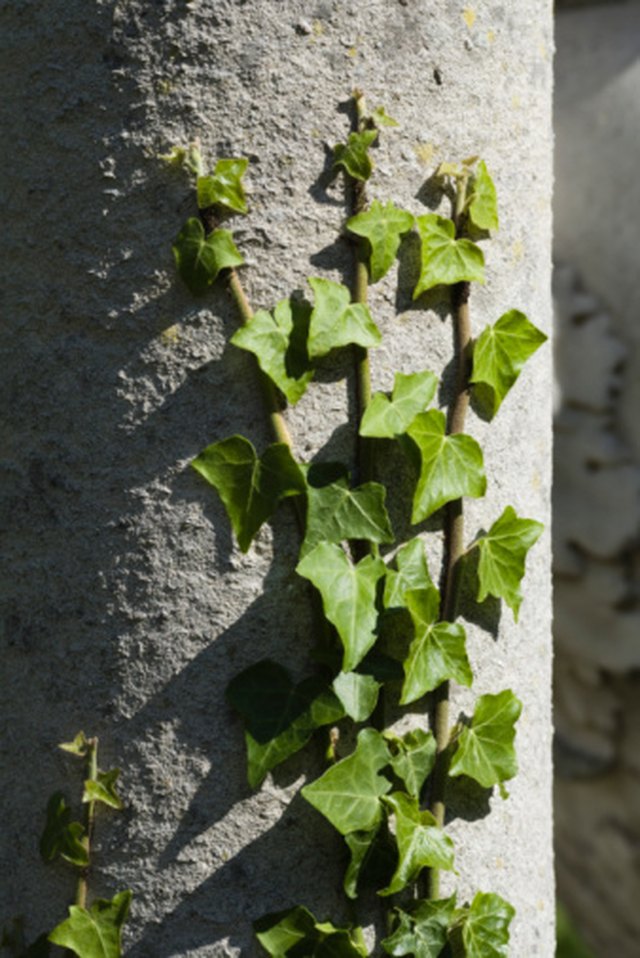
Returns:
(348, 596)
(499, 354)
(451, 466)
(569, 943)
(353, 156)
(359, 844)
(412, 758)
(279, 343)
(485, 750)
(482, 930)
(386, 418)
(357, 693)
(336, 513)
(280, 716)
(94, 932)
(102, 789)
(483, 205)
(187, 156)
(79, 746)
(250, 487)
(382, 226)
(421, 842)
(445, 259)
(349, 793)
(336, 321)
(62, 836)
(224, 186)
(503, 551)
(413, 573)
(437, 652)
(297, 934)
(200, 258)
(379, 117)
(422, 931)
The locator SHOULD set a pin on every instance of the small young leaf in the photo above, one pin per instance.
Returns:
(187, 156)
(382, 226)
(437, 652)
(386, 418)
(357, 693)
(482, 929)
(62, 836)
(280, 717)
(421, 842)
(349, 793)
(379, 117)
(353, 156)
(297, 934)
(412, 758)
(200, 258)
(422, 931)
(336, 513)
(483, 205)
(102, 789)
(451, 466)
(499, 354)
(485, 750)
(503, 551)
(413, 573)
(279, 343)
(224, 186)
(95, 932)
(348, 596)
(79, 746)
(250, 487)
(446, 259)
(336, 321)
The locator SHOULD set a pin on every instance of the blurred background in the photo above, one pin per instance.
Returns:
(597, 478)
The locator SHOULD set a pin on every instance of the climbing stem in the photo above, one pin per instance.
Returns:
(90, 816)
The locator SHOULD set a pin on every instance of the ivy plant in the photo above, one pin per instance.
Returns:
(387, 797)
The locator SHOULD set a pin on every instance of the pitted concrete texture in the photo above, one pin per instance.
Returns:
(126, 606)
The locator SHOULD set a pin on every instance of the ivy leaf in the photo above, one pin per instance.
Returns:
(348, 596)
(503, 551)
(102, 789)
(451, 466)
(446, 259)
(336, 321)
(379, 117)
(353, 156)
(62, 836)
(386, 418)
(437, 652)
(279, 343)
(200, 258)
(382, 226)
(224, 186)
(79, 746)
(483, 206)
(412, 758)
(421, 842)
(280, 716)
(336, 513)
(296, 933)
(499, 354)
(482, 929)
(94, 932)
(349, 793)
(250, 487)
(485, 750)
(423, 931)
(358, 694)
(413, 573)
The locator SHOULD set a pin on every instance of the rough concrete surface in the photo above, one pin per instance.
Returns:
(126, 605)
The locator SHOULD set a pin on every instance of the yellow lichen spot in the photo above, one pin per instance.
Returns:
(170, 335)
(469, 16)
(516, 102)
(315, 133)
(536, 481)
(499, 863)
(318, 27)
(352, 52)
(542, 49)
(540, 905)
(517, 251)
(424, 152)
(491, 36)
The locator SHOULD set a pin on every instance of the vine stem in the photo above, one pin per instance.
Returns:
(453, 535)
(90, 818)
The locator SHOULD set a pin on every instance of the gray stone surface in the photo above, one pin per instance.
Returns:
(126, 605)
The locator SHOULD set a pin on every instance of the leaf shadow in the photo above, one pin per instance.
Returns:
(486, 615)
(466, 800)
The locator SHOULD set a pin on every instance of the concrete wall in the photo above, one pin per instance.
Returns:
(126, 605)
